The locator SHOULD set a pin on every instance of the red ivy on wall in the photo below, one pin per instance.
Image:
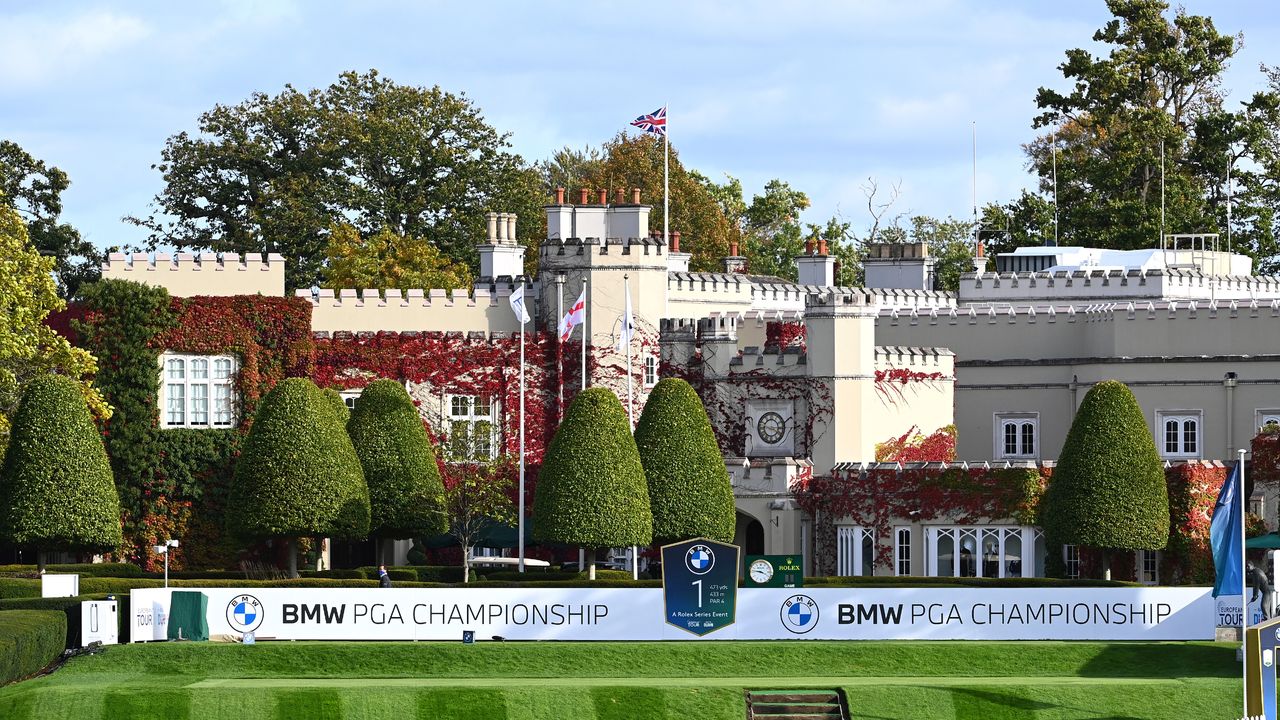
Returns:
(1265, 449)
(914, 446)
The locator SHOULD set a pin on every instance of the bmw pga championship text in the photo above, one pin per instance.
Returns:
(637, 614)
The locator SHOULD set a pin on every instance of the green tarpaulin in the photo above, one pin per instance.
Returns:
(188, 616)
(1270, 541)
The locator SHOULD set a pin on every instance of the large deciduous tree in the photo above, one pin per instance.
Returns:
(28, 347)
(591, 488)
(386, 260)
(689, 490)
(274, 173)
(56, 490)
(1108, 490)
(34, 190)
(406, 497)
(299, 475)
(1160, 77)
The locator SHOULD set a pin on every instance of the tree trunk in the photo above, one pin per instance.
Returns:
(1106, 565)
(291, 547)
(591, 567)
(466, 565)
(40, 561)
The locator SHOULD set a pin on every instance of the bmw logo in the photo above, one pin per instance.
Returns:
(799, 614)
(699, 559)
(244, 613)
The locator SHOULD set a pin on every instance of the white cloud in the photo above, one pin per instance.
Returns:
(39, 50)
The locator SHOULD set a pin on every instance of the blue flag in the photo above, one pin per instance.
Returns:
(1224, 536)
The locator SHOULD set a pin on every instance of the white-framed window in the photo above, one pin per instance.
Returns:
(1266, 416)
(980, 551)
(650, 370)
(349, 397)
(1071, 559)
(197, 390)
(855, 550)
(1017, 436)
(1148, 566)
(473, 427)
(902, 550)
(1178, 433)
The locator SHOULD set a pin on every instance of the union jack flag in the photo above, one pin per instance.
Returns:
(654, 122)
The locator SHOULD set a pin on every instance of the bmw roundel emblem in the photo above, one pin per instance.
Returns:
(699, 559)
(244, 613)
(799, 614)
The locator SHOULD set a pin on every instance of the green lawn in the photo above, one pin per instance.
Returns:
(685, 681)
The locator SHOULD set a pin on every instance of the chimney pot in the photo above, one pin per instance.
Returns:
(582, 196)
(559, 196)
(675, 239)
(635, 196)
(604, 197)
(492, 219)
(511, 228)
(981, 249)
(733, 248)
(620, 196)
(822, 247)
(808, 246)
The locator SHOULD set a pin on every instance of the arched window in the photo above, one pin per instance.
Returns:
(650, 370)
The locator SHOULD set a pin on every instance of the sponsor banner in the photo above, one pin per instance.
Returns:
(638, 614)
(1227, 610)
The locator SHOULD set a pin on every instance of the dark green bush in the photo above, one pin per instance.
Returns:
(441, 573)
(540, 575)
(628, 583)
(56, 460)
(29, 641)
(299, 475)
(406, 495)
(398, 574)
(1108, 490)
(228, 575)
(591, 488)
(352, 574)
(689, 488)
(96, 569)
(19, 587)
(901, 581)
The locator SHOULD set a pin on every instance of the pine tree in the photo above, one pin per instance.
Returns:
(56, 487)
(689, 490)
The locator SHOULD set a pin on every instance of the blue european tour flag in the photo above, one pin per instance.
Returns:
(1224, 535)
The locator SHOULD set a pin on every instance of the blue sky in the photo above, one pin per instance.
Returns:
(821, 94)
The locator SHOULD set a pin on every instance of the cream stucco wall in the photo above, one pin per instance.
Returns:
(186, 274)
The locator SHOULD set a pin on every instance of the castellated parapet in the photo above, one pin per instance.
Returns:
(485, 309)
(1093, 285)
(189, 274)
(1034, 332)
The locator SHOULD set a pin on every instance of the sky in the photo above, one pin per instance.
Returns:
(824, 95)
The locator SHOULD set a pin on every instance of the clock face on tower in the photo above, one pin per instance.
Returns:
(760, 571)
(771, 428)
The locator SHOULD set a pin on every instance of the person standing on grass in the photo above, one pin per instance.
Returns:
(384, 578)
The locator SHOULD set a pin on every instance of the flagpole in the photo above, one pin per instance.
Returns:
(559, 345)
(520, 524)
(1244, 597)
(582, 553)
(666, 154)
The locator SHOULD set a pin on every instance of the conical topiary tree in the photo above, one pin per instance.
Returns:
(406, 495)
(299, 475)
(591, 489)
(1108, 490)
(339, 405)
(56, 487)
(689, 490)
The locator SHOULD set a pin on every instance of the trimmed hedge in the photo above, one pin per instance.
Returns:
(904, 581)
(56, 460)
(299, 475)
(591, 488)
(406, 495)
(29, 641)
(354, 574)
(537, 575)
(1108, 489)
(689, 490)
(96, 569)
(19, 587)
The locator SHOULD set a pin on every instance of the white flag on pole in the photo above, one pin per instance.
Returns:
(573, 318)
(628, 324)
(517, 304)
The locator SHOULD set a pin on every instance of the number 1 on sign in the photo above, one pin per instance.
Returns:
(699, 584)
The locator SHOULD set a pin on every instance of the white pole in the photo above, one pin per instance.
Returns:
(1054, 139)
(1162, 205)
(559, 344)
(520, 523)
(626, 331)
(666, 153)
(585, 337)
(1244, 597)
(1228, 206)
(166, 564)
